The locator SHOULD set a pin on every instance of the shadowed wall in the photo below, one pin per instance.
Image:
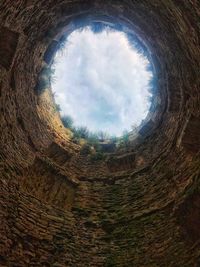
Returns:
(140, 206)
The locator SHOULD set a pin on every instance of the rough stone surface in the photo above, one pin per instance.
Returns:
(8, 45)
(139, 207)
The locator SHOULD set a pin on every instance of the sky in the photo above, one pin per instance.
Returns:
(101, 81)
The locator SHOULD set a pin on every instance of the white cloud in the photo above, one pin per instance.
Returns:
(102, 82)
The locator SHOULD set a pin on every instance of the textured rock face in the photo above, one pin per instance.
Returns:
(139, 208)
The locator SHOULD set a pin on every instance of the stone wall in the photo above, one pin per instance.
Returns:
(140, 206)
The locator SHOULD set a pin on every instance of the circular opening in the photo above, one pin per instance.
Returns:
(102, 80)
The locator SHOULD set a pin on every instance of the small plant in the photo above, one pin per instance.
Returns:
(99, 142)
(125, 138)
(46, 77)
(47, 71)
(98, 27)
(42, 85)
(67, 121)
(57, 107)
(103, 136)
(93, 140)
(113, 139)
(76, 140)
(85, 149)
(81, 132)
(97, 156)
(134, 42)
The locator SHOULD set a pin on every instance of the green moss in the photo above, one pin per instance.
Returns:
(111, 262)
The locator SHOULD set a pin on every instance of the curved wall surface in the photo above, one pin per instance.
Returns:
(138, 207)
